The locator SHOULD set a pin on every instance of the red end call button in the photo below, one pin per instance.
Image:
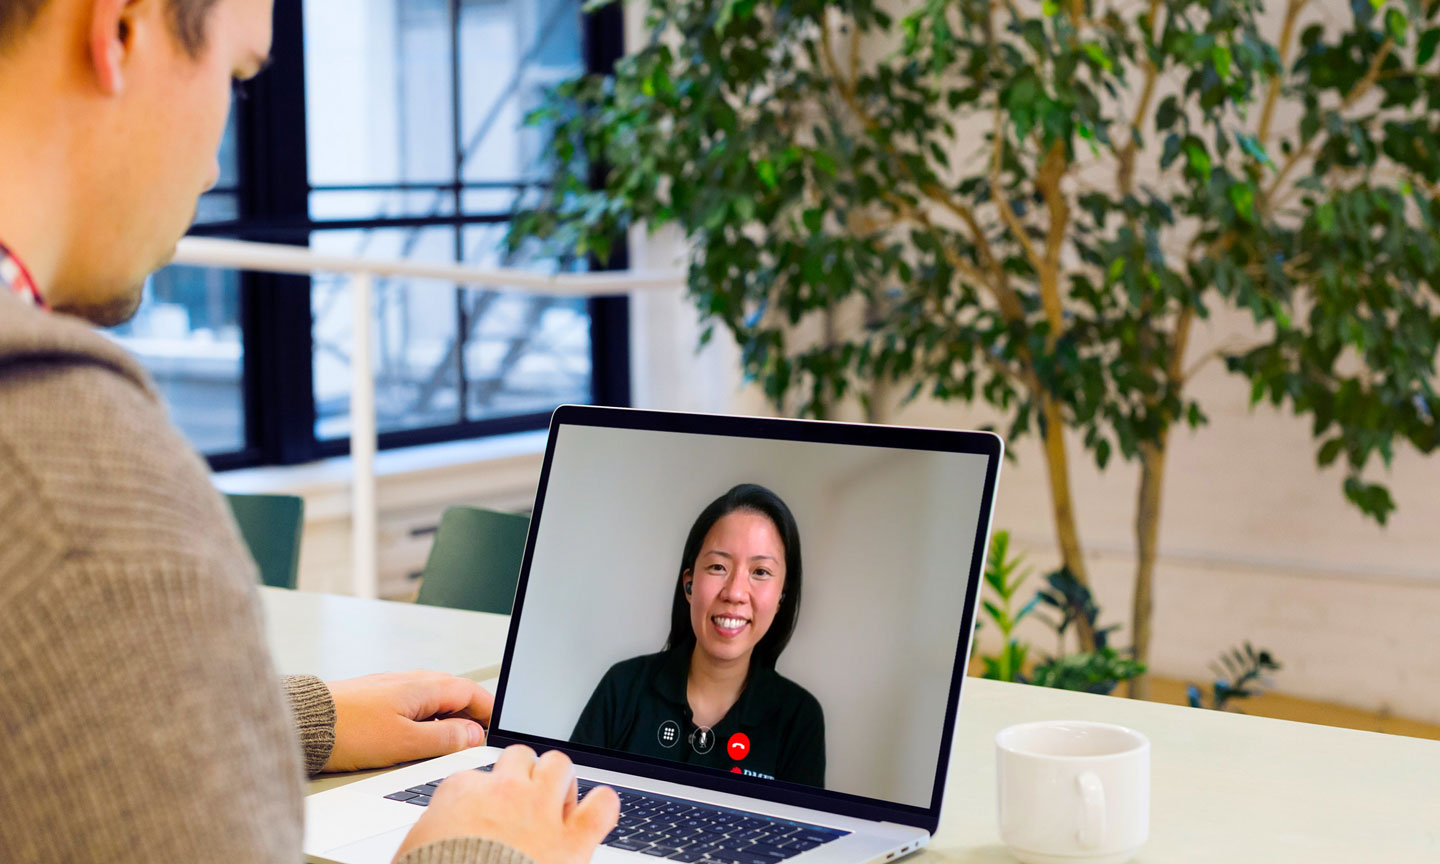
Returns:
(739, 746)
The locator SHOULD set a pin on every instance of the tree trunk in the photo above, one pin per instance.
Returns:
(1053, 430)
(1147, 542)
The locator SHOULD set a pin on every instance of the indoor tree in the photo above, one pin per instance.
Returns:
(1030, 204)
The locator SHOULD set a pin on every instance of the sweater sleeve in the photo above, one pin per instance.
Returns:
(314, 712)
(465, 850)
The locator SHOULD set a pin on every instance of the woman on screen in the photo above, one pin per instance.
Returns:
(712, 697)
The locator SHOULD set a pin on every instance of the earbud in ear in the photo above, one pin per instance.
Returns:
(688, 589)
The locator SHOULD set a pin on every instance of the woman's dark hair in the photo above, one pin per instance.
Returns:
(755, 499)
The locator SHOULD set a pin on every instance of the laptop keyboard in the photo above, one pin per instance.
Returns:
(687, 831)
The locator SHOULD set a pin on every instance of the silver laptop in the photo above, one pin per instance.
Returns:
(810, 587)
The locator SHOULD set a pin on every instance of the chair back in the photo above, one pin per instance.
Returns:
(475, 561)
(272, 526)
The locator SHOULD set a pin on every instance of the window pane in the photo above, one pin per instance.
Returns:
(510, 54)
(187, 333)
(416, 329)
(377, 91)
(229, 161)
(380, 204)
(524, 353)
(216, 207)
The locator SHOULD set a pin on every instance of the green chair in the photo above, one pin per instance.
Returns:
(271, 526)
(475, 561)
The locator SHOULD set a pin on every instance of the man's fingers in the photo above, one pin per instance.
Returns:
(572, 796)
(482, 704)
(596, 816)
(438, 737)
(515, 759)
(450, 695)
(556, 776)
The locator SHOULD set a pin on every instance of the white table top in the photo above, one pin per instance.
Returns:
(341, 637)
(1225, 787)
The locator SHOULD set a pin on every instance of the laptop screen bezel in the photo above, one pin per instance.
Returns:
(985, 444)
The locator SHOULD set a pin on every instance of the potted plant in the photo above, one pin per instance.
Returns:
(1031, 204)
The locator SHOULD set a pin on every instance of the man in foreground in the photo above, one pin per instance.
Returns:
(141, 717)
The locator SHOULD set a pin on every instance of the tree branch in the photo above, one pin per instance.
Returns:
(1356, 93)
(1230, 348)
(1052, 171)
(1272, 93)
(997, 193)
(998, 284)
(1125, 170)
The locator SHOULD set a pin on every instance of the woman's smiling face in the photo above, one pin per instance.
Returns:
(736, 585)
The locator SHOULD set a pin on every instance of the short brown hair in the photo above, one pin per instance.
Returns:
(187, 21)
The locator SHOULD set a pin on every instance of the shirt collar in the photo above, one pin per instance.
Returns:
(16, 279)
(753, 707)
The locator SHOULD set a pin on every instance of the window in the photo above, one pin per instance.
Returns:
(384, 128)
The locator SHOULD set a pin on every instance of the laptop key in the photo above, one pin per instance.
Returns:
(659, 851)
(421, 800)
(401, 796)
(686, 856)
(628, 844)
(427, 789)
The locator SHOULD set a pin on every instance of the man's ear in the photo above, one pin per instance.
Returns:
(112, 37)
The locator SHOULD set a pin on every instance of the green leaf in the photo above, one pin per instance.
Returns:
(1167, 114)
(1242, 196)
(1221, 57)
(1329, 451)
(1398, 26)
(1098, 56)
(813, 218)
(1050, 8)
(1428, 44)
(1199, 159)
(766, 171)
(1254, 148)
(1021, 101)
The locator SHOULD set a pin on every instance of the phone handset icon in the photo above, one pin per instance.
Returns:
(739, 746)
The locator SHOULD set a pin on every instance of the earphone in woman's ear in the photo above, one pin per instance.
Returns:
(689, 586)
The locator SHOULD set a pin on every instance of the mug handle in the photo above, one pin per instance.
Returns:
(1092, 824)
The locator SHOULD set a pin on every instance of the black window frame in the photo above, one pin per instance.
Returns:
(275, 310)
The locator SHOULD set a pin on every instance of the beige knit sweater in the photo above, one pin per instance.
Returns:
(140, 717)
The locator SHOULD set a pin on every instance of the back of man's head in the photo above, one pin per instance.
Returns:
(186, 16)
(113, 112)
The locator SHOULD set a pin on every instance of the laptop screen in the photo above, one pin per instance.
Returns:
(779, 611)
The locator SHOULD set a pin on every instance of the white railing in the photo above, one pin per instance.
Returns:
(295, 260)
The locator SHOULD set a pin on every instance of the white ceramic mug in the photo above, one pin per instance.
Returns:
(1071, 791)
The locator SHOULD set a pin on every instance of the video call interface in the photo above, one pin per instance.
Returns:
(778, 610)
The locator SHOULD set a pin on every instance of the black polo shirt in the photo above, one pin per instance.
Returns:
(640, 707)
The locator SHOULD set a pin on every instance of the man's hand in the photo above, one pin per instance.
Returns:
(526, 803)
(395, 717)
